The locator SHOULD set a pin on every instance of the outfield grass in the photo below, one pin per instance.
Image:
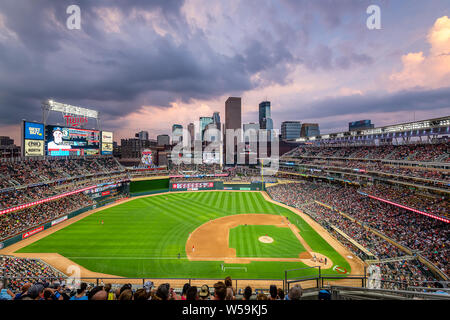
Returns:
(245, 240)
(142, 237)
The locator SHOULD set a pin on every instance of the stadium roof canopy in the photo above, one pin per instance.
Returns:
(431, 127)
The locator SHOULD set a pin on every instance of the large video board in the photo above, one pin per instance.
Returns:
(62, 141)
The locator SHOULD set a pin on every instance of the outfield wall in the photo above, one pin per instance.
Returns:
(149, 186)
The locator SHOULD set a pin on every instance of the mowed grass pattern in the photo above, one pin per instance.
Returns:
(142, 237)
(245, 239)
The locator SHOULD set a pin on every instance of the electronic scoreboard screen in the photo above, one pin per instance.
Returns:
(63, 141)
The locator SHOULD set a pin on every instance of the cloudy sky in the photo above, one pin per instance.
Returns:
(148, 64)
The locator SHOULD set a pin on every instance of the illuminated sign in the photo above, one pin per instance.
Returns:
(107, 142)
(72, 121)
(411, 209)
(34, 131)
(147, 157)
(68, 109)
(71, 141)
(34, 148)
(107, 136)
(30, 204)
(192, 185)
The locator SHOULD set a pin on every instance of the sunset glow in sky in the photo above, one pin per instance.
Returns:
(148, 64)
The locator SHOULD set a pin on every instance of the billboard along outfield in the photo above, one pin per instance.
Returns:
(143, 237)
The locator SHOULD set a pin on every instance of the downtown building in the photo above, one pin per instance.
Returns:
(291, 130)
(233, 121)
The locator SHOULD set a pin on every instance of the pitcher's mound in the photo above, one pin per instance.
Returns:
(265, 239)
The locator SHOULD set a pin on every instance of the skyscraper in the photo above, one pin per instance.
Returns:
(204, 122)
(233, 120)
(142, 135)
(216, 119)
(177, 133)
(233, 113)
(265, 118)
(191, 130)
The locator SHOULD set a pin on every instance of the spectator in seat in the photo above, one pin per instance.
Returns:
(81, 293)
(273, 292)
(261, 296)
(230, 294)
(126, 295)
(280, 294)
(192, 293)
(204, 292)
(5, 294)
(247, 293)
(220, 291)
(295, 293)
(184, 291)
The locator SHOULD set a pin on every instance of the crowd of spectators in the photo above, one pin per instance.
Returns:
(420, 233)
(437, 152)
(33, 171)
(376, 168)
(24, 195)
(53, 287)
(22, 220)
(404, 196)
(397, 275)
(22, 272)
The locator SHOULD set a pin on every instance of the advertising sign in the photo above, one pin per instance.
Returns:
(55, 222)
(34, 148)
(107, 136)
(107, 142)
(147, 157)
(33, 131)
(30, 233)
(193, 185)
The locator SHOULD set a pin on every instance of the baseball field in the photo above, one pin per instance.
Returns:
(194, 235)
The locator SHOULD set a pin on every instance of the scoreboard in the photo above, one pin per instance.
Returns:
(52, 140)
(63, 141)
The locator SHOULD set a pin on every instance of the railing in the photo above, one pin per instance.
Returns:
(351, 293)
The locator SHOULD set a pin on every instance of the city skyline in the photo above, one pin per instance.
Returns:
(146, 65)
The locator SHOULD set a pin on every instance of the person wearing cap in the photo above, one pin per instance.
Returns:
(57, 142)
(324, 295)
(204, 292)
(148, 286)
(36, 291)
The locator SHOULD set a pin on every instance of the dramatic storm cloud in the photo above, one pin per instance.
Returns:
(148, 64)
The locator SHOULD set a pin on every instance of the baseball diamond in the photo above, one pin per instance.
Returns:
(143, 237)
